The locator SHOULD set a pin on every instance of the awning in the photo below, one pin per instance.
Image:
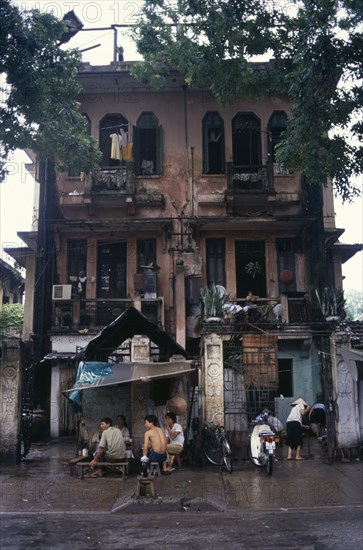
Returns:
(94, 374)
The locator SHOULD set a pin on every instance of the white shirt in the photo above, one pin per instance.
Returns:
(295, 414)
(179, 438)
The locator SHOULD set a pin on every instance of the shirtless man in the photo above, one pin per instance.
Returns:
(154, 440)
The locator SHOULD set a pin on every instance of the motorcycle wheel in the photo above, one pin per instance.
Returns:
(227, 456)
(212, 451)
(254, 460)
(270, 464)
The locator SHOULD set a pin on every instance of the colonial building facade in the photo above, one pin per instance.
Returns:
(189, 195)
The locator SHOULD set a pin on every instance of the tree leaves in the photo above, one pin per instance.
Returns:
(39, 108)
(317, 51)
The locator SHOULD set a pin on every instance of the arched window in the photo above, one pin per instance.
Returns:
(213, 144)
(277, 125)
(246, 142)
(114, 132)
(148, 145)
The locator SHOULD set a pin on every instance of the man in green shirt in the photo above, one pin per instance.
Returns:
(111, 448)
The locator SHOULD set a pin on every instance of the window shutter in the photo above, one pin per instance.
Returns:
(136, 149)
(159, 150)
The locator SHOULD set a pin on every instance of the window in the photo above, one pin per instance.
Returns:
(277, 125)
(246, 141)
(213, 144)
(216, 254)
(148, 145)
(116, 126)
(74, 172)
(146, 253)
(286, 249)
(77, 265)
(250, 268)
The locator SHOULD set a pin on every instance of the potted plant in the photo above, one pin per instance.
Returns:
(328, 303)
(214, 298)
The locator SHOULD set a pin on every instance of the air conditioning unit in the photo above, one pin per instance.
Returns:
(62, 292)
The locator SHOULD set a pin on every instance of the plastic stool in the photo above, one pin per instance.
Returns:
(145, 485)
(154, 469)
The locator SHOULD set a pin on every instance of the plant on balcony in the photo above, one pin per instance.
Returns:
(331, 303)
(253, 269)
(213, 301)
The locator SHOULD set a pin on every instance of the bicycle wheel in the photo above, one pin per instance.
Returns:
(270, 464)
(227, 456)
(212, 451)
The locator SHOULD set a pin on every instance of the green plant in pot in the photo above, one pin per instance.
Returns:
(214, 298)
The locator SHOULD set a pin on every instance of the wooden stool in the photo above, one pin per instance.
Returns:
(154, 469)
(145, 484)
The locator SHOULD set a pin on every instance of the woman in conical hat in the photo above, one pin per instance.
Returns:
(294, 427)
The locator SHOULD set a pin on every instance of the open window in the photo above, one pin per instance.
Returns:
(111, 270)
(213, 144)
(114, 140)
(277, 126)
(148, 145)
(246, 142)
(286, 249)
(77, 266)
(250, 268)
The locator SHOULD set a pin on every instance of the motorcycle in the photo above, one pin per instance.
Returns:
(262, 445)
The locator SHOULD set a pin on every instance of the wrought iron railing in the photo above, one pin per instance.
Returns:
(249, 177)
(78, 314)
(120, 178)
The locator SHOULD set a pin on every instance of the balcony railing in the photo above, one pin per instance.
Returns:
(246, 178)
(265, 314)
(78, 314)
(120, 178)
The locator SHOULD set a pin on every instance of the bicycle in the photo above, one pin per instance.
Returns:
(215, 444)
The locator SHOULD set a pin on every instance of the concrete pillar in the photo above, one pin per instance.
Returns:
(180, 303)
(140, 349)
(54, 402)
(212, 376)
(10, 398)
(139, 409)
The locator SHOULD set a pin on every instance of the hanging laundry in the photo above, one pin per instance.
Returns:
(116, 143)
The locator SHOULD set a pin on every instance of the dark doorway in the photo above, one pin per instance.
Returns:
(285, 377)
(111, 272)
(250, 268)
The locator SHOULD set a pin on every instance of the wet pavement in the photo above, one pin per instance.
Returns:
(42, 484)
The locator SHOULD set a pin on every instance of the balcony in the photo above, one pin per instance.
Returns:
(78, 315)
(248, 186)
(287, 314)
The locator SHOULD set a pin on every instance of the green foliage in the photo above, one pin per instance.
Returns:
(39, 108)
(253, 269)
(331, 302)
(354, 304)
(317, 51)
(213, 301)
(11, 320)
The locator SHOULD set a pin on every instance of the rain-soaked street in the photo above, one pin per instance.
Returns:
(303, 505)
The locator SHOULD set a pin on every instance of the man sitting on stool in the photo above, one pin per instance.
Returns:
(154, 441)
(111, 448)
(175, 435)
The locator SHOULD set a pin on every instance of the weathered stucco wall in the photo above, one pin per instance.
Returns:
(10, 397)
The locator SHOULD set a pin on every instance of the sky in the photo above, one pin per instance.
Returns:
(17, 191)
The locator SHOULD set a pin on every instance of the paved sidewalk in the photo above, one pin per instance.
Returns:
(42, 484)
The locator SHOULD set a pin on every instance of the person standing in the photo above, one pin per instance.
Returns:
(175, 436)
(294, 427)
(111, 448)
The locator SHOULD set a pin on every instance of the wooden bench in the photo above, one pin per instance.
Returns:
(72, 463)
(121, 467)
